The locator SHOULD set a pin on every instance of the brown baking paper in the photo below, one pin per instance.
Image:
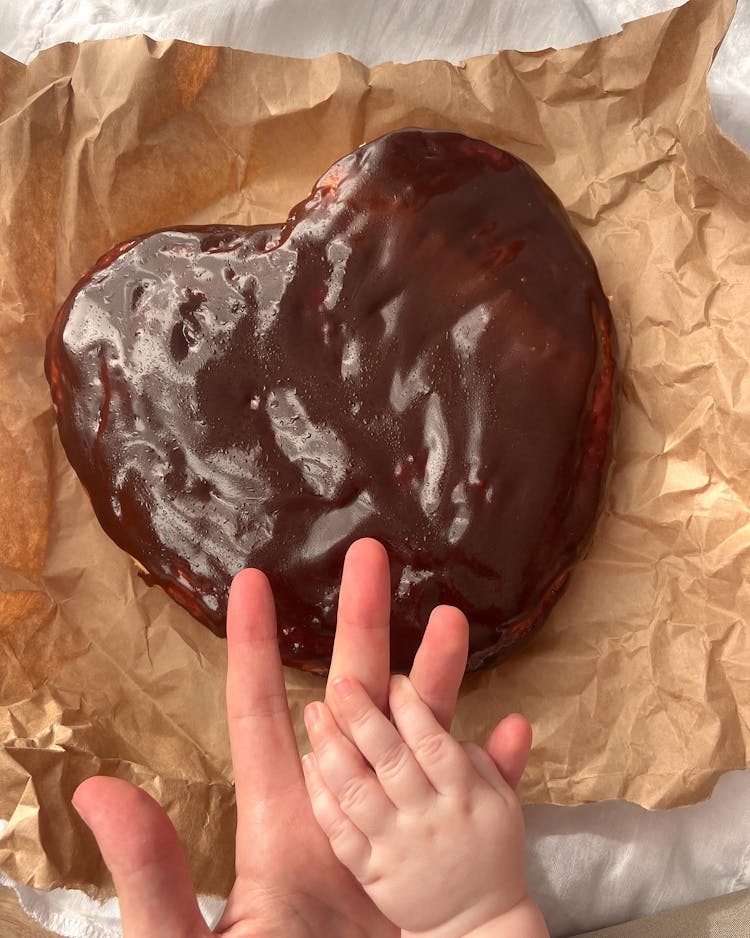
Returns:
(638, 686)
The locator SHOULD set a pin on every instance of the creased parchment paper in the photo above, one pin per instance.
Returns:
(638, 685)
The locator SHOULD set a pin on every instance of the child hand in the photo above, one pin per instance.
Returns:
(428, 825)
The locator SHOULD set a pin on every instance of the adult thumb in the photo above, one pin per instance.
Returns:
(141, 848)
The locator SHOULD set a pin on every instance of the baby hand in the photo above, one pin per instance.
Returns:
(428, 825)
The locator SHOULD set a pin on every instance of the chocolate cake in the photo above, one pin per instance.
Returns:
(421, 353)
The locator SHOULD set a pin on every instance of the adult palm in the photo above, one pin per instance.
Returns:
(288, 881)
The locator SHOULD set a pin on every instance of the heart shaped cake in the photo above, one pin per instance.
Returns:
(421, 353)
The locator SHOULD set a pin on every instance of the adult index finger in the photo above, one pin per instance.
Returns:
(264, 748)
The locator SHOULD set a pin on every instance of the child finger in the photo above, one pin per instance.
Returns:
(379, 741)
(439, 755)
(349, 844)
(346, 774)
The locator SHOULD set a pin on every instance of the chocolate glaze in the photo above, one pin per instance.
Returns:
(422, 354)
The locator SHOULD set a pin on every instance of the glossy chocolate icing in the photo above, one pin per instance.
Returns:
(422, 353)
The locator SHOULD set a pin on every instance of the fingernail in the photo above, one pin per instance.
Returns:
(308, 763)
(78, 811)
(81, 811)
(343, 687)
(399, 689)
(312, 714)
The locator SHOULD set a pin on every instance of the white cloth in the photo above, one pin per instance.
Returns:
(588, 867)
(592, 865)
(372, 31)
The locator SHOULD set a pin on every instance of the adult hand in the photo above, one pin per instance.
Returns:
(289, 883)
